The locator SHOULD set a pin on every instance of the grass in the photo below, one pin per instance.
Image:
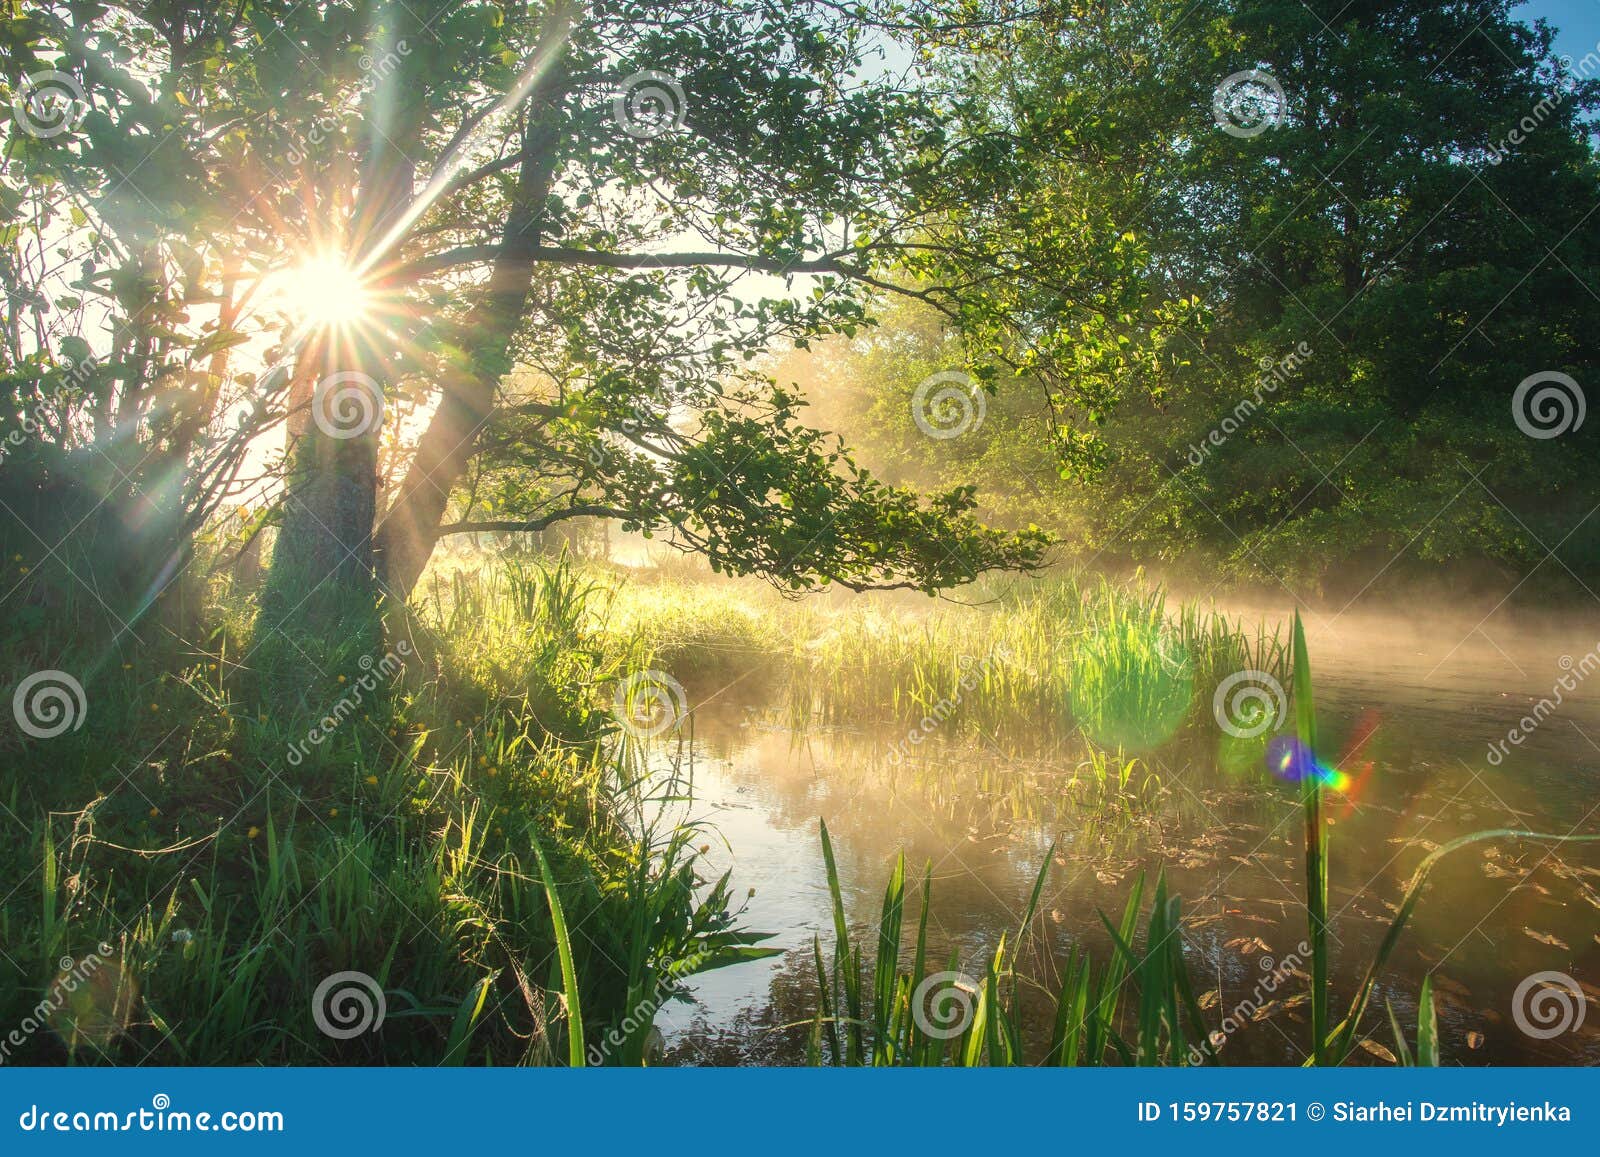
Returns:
(474, 832)
(1139, 1007)
(464, 830)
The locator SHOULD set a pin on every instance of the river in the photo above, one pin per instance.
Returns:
(1418, 716)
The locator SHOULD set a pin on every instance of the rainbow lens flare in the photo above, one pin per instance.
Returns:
(1293, 761)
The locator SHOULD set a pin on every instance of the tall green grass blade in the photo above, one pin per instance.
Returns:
(846, 959)
(466, 1020)
(1427, 1026)
(1315, 842)
(886, 969)
(569, 974)
(918, 1046)
(1402, 1051)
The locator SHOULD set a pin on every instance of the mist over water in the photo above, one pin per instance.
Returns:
(1411, 704)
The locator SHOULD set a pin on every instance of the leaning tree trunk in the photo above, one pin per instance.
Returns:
(468, 381)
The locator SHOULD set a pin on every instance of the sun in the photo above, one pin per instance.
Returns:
(322, 292)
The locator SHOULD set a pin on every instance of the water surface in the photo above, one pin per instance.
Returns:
(1411, 713)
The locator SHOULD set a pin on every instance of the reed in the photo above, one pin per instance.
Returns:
(1139, 1008)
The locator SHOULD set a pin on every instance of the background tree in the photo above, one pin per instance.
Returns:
(1414, 209)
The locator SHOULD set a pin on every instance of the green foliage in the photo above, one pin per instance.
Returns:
(1375, 275)
(272, 826)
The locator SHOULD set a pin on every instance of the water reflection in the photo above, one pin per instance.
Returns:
(1412, 732)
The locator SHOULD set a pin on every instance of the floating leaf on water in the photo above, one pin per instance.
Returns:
(1248, 945)
(1379, 1051)
(1265, 1011)
(1208, 999)
(1546, 938)
(1474, 1040)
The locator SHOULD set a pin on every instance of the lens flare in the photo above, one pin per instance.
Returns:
(1292, 761)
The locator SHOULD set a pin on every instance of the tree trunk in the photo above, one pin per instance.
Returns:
(468, 380)
(322, 568)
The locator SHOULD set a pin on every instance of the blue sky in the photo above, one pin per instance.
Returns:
(1578, 22)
